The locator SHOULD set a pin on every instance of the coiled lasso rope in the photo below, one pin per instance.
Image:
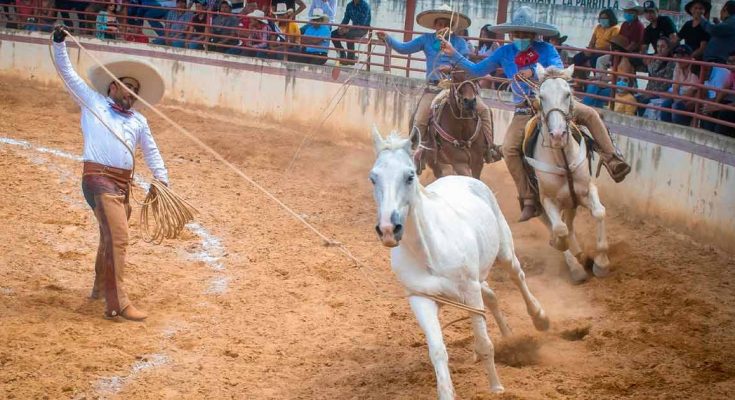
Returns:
(163, 214)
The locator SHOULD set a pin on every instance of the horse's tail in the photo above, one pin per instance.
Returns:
(507, 249)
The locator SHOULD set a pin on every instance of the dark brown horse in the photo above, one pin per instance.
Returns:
(455, 144)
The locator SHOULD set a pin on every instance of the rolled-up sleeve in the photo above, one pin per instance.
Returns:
(152, 156)
(83, 94)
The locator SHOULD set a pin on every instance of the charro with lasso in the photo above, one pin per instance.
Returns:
(469, 128)
(112, 129)
(518, 60)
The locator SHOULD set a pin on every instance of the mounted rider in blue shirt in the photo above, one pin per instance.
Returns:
(520, 58)
(439, 19)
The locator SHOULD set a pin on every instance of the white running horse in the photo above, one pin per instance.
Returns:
(445, 238)
(557, 156)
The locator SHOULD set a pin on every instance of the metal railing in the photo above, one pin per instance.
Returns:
(370, 51)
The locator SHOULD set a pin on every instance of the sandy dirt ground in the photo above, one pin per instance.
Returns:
(250, 305)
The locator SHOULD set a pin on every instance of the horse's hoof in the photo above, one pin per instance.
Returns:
(579, 276)
(541, 321)
(600, 272)
(559, 243)
(497, 389)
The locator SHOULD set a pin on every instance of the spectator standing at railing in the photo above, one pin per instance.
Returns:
(657, 69)
(223, 23)
(176, 23)
(106, 22)
(198, 29)
(605, 30)
(520, 58)
(316, 38)
(722, 35)
(724, 99)
(328, 7)
(694, 32)
(659, 25)
(357, 12)
(684, 78)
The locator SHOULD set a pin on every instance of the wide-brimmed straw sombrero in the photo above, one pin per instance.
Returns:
(524, 20)
(151, 81)
(428, 17)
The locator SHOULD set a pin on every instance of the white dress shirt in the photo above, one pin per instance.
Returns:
(100, 145)
(329, 7)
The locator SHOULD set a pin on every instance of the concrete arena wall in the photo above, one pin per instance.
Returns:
(682, 176)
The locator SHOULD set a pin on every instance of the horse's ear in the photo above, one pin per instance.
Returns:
(540, 72)
(378, 142)
(569, 72)
(414, 140)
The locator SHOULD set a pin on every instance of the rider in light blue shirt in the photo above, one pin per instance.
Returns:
(438, 20)
(520, 58)
(431, 46)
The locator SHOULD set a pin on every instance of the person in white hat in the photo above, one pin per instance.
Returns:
(520, 57)
(439, 20)
(316, 38)
(108, 162)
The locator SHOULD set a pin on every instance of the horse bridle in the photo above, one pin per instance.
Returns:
(454, 90)
(568, 114)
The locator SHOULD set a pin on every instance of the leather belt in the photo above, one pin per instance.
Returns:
(93, 168)
(523, 111)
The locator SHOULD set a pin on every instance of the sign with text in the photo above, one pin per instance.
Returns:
(597, 4)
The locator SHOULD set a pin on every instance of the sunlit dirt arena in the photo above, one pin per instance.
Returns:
(251, 305)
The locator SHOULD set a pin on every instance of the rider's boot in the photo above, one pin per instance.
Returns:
(616, 166)
(530, 210)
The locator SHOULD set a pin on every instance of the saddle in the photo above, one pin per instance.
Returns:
(532, 135)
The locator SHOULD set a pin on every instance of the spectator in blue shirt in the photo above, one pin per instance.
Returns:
(177, 22)
(520, 57)
(429, 43)
(722, 35)
(357, 11)
(316, 38)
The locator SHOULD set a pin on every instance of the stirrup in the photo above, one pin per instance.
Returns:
(494, 153)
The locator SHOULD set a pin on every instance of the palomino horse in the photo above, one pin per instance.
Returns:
(563, 181)
(456, 144)
(445, 238)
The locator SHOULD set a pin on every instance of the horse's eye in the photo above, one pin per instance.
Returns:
(409, 180)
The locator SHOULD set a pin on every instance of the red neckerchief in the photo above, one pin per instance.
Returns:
(120, 110)
(526, 58)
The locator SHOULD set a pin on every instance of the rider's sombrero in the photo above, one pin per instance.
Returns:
(428, 17)
(524, 20)
(151, 82)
